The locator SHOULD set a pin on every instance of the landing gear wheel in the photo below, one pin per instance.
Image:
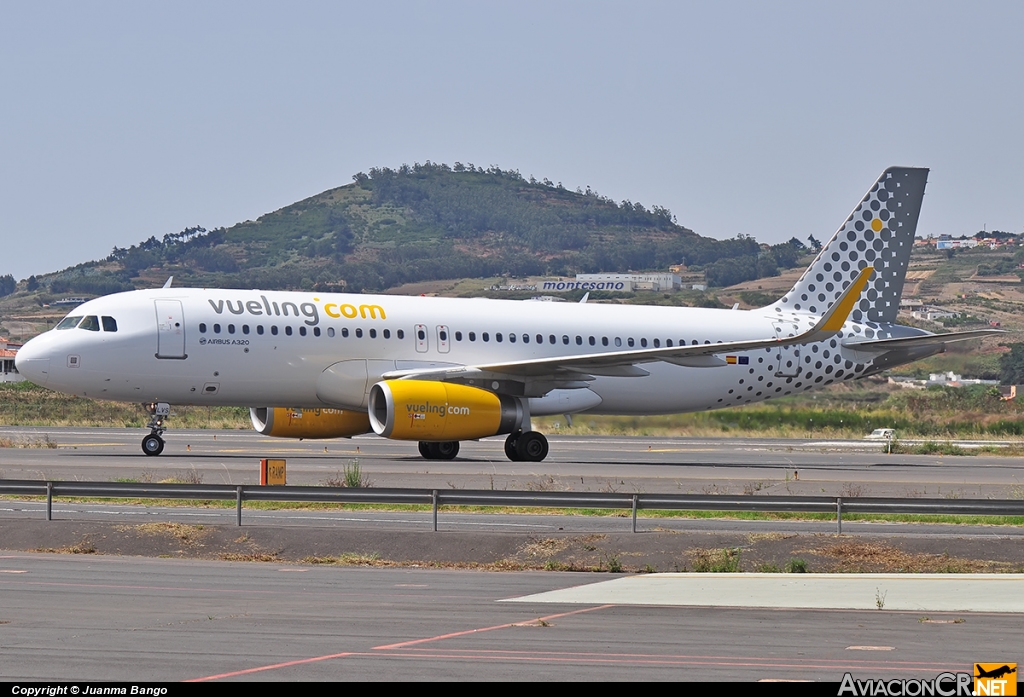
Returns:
(425, 450)
(152, 444)
(510, 447)
(532, 446)
(445, 450)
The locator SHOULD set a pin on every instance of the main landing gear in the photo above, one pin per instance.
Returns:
(153, 444)
(519, 447)
(526, 447)
(445, 450)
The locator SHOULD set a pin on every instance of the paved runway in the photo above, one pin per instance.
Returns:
(117, 618)
(679, 465)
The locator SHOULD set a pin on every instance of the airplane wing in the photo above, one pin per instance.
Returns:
(929, 340)
(623, 363)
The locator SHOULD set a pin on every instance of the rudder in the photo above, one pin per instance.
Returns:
(879, 232)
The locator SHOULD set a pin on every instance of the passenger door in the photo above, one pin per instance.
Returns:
(170, 330)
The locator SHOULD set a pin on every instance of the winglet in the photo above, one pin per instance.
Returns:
(168, 283)
(835, 318)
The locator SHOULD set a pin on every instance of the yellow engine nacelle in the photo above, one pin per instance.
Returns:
(440, 411)
(308, 423)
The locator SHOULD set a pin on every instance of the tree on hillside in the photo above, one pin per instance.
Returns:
(1011, 365)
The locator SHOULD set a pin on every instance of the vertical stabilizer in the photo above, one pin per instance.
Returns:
(879, 233)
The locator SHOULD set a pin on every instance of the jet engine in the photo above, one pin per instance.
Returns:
(439, 411)
(308, 423)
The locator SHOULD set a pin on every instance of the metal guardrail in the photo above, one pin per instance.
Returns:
(537, 499)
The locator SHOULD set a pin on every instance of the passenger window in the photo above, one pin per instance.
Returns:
(330, 332)
(643, 342)
(526, 338)
(565, 339)
(344, 332)
(657, 343)
(316, 331)
(511, 338)
(245, 328)
(373, 333)
(109, 324)
(259, 329)
(359, 333)
(421, 335)
(216, 329)
(302, 331)
(540, 339)
(668, 342)
(618, 341)
(273, 329)
(400, 333)
(90, 323)
(69, 322)
(593, 341)
(629, 342)
(288, 330)
(551, 338)
(579, 340)
(202, 327)
(231, 329)
(458, 336)
(485, 336)
(387, 333)
(472, 336)
(497, 337)
(604, 341)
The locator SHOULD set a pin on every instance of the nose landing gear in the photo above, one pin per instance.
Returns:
(153, 444)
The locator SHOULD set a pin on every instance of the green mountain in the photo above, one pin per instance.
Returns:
(427, 222)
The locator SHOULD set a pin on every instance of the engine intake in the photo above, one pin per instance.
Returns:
(308, 423)
(440, 411)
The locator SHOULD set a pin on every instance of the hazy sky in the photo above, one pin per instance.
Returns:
(123, 120)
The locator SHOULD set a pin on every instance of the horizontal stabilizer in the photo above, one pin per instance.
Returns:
(910, 342)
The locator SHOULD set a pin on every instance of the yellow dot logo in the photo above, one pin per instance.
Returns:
(876, 224)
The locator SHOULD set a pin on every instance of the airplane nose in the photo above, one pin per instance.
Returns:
(30, 362)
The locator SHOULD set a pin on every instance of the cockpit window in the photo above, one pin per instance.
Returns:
(109, 324)
(69, 322)
(90, 323)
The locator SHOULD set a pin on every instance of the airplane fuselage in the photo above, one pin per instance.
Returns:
(254, 348)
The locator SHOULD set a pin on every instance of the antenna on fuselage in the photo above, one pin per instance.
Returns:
(168, 284)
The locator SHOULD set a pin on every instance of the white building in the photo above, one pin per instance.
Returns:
(8, 373)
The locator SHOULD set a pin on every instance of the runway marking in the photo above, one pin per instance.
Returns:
(270, 667)
(870, 648)
(13, 571)
(486, 629)
(301, 661)
(609, 659)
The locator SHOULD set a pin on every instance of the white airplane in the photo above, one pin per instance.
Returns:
(442, 370)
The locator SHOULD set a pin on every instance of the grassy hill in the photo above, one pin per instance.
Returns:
(424, 223)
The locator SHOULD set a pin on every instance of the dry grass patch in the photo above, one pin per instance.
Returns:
(769, 536)
(83, 547)
(249, 556)
(186, 534)
(851, 556)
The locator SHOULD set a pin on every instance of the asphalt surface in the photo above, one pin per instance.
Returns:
(108, 608)
(677, 465)
(120, 618)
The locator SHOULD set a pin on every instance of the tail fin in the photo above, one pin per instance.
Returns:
(879, 233)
